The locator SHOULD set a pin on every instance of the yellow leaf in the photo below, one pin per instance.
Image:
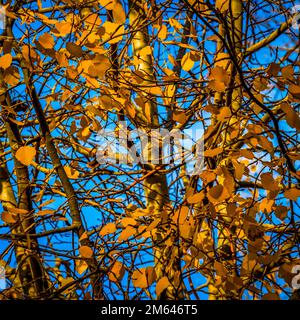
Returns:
(108, 228)
(224, 114)
(86, 252)
(26, 155)
(208, 176)
(71, 173)
(5, 61)
(161, 285)
(181, 215)
(218, 79)
(162, 33)
(175, 24)
(45, 212)
(81, 266)
(128, 221)
(113, 32)
(268, 182)
(139, 278)
(288, 72)
(187, 63)
(107, 4)
(222, 5)
(220, 269)
(294, 89)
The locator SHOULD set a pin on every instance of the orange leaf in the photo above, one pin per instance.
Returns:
(5, 61)
(126, 233)
(46, 41)
(26, 155)
(86, 252)
(197, 197)
(179, 116)
(212, 152)
(74, 49)
(108, 228)
(270, 296)
(139, 278)
(292, 194)
(7, 217)
(81, 266)
(161, 285)
(71, 173)
(116, 272)
(144, 277)
(217, 193)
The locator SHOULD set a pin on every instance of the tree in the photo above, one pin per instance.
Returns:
(98, 199)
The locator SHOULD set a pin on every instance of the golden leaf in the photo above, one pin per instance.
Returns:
(222, 5)
(81, 266)
(8, 218)
(11, 76)
(126, 233)
(5, 61)
(212, 152)
(86, 252)
(292, 194)
(179, 116)
(187, 63)
(197, 197)
(217, 194)
(108, 228)
(161, 285)
(46, 41)
(119, 14)
(74, 49)
(117, 271)
(71, 173)
(26, 155)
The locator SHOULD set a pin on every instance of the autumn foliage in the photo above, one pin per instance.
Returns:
(73, 227)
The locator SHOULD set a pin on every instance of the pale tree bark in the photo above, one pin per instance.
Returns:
(167, 262)
(31, 280)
